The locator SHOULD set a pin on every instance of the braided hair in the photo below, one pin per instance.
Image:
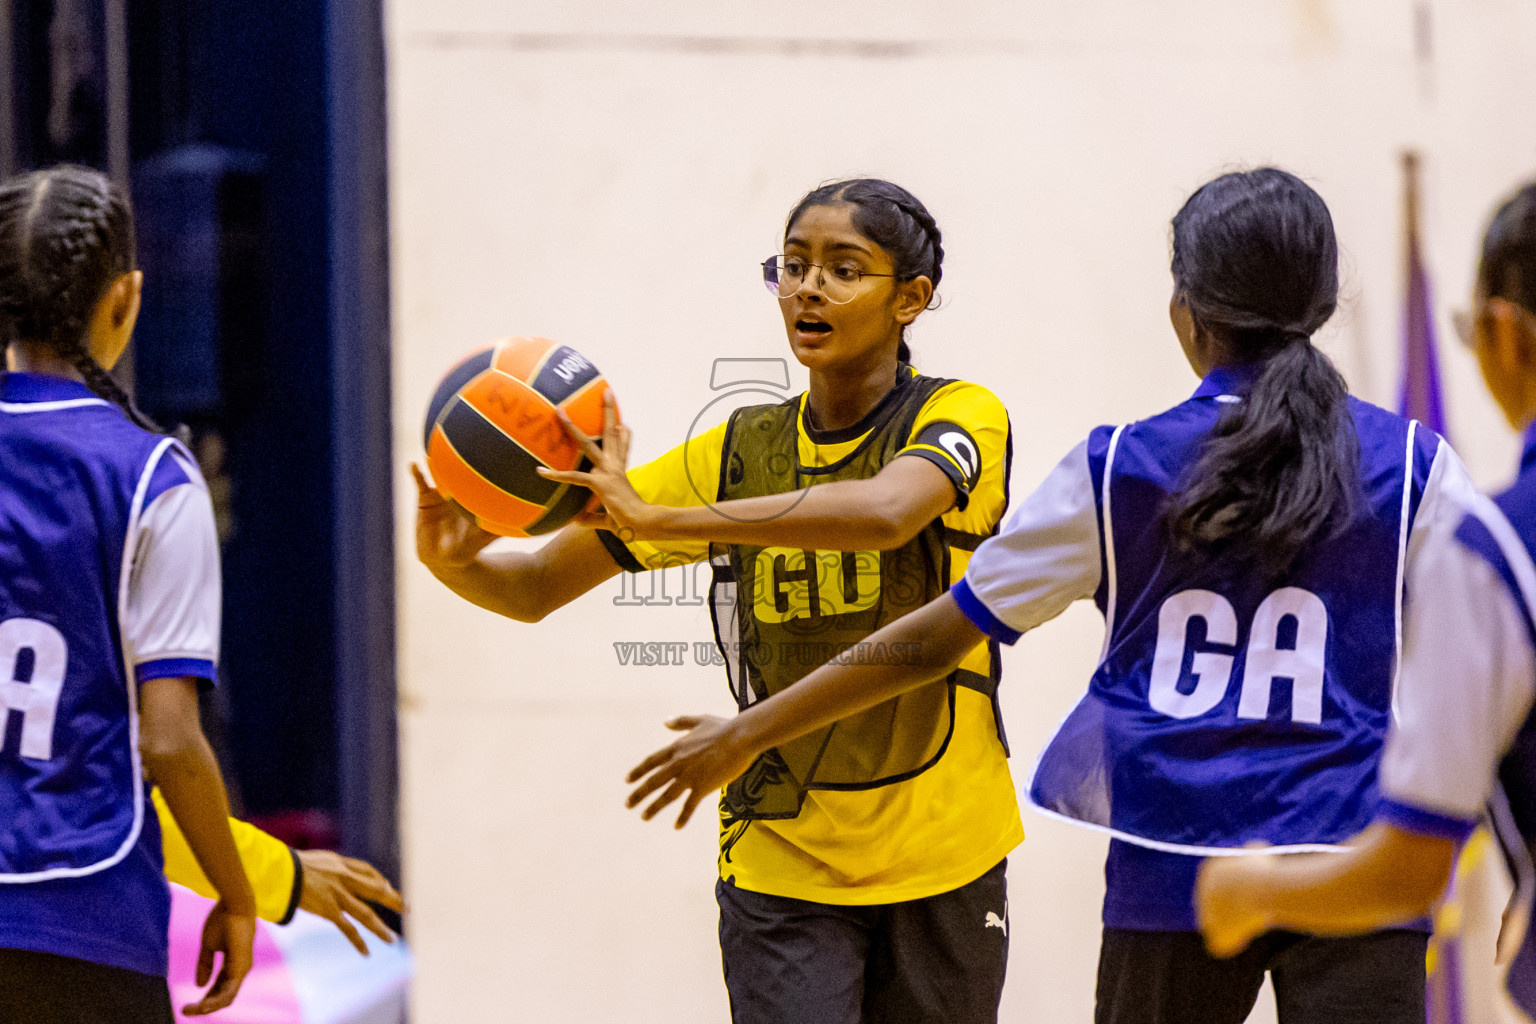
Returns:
(66, 234)
(893, 219)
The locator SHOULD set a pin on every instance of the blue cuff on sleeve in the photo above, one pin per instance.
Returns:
(1424, 823)
(980, 616)
(170, 668)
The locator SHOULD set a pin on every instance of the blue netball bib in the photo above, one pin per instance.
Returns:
(73, 478)
(1227, 711)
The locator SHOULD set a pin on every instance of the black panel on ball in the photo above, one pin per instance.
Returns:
(563, 374)
(452, 384)
(495, 456)
(563, 510)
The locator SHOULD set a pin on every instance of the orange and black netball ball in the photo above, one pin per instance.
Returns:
(493, 422)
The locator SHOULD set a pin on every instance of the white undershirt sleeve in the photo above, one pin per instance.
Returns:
(1466, 684)
(174, 600)
(1046, 557)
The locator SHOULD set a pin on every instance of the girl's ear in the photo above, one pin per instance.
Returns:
(1509, 334)
(912, 297)
(114, 317)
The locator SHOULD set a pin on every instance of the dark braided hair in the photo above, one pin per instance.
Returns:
(1255, 258)
(892, 218)
(66, 233)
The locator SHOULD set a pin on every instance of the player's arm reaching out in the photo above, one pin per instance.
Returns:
(884, 511)
(717, 750)
(879, 513)
(1388, 876)
(1467, 678)
(318, 881)
(178, 759)
(1044, 559)
(521, 585)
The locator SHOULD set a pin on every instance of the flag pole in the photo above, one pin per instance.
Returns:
(1421, 397)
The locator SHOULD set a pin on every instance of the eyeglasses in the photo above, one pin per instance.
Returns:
(784, 276)
(1466, 324)
(1461, 321)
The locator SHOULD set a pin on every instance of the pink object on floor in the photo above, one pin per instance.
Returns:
(303, 973)
(267, 997)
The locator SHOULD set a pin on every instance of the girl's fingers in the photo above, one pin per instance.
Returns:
(204, 965)
(590, 448)
(674, 791)
(370, 884)
(682, 723)
(688, 807)
(363, 914)
(661, 777)
(621, 446)
(427, 496)
(657, 759)
(350, 931)
(565, 476)
(224, 990)
(610, 420)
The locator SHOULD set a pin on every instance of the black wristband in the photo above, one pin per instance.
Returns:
(298, 887)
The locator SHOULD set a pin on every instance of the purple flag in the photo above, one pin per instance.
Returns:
(1420, 398)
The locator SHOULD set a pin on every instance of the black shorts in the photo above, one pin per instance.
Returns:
(1169, 978)
(939, 960)
(41, 988)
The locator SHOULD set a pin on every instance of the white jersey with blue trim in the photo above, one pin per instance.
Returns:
(1464, 744)
(109, 577)
(1226, 709)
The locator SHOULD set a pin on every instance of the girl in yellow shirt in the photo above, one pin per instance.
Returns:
(861, 872)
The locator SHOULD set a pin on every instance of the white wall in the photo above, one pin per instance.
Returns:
(610, 173)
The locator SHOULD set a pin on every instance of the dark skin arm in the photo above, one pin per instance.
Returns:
(882, 512)
(715, 751)
(1388, 876)
(879, 513)
(521, 585)
(179, 761)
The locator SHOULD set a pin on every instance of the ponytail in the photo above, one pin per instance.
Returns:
(1255, 258)
(1278, 470)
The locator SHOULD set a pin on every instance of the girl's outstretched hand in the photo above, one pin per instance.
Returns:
(1228, 902)
(339, 889)
(699, 764)
(447, 537)
(623, 510)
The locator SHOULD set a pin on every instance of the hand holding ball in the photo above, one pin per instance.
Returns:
(495, 420)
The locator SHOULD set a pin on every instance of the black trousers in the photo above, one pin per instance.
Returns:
(939, 960)
(40, 988)
(1169, 978)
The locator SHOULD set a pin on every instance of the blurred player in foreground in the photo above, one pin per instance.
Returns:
(109, 625)
(1465, 726)
(1252, 534)
(109, 611)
